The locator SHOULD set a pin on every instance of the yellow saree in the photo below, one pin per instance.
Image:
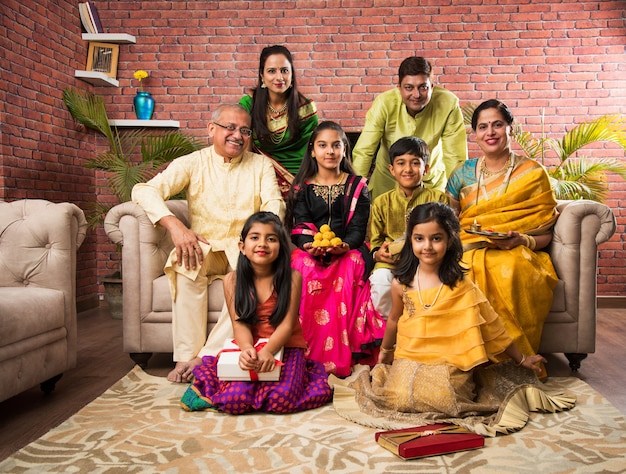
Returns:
(519, 282)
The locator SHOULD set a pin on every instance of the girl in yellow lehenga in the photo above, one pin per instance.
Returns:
(511, 197)
(439, 319)
(441, 339)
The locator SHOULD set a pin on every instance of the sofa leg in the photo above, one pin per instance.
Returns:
(47, 387)
(575, 360)
(141, 358)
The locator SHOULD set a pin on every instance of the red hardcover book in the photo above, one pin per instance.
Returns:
(423, 441)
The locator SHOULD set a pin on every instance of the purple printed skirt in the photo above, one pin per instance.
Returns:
(303, 385)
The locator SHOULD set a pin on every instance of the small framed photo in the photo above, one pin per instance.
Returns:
(102, 57)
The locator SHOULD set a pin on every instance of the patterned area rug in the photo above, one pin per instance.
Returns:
(137, 426)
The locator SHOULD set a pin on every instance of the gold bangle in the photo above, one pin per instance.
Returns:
(529, 241)
(522, 361)
(387, 351)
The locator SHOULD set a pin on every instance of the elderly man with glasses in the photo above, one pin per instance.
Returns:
(414, 108)
(224, 184)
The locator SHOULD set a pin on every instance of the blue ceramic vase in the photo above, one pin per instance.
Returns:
(144, 105)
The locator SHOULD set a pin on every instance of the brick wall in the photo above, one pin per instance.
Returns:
(564, 58)
(43, 151)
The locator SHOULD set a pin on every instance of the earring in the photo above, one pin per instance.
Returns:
(263, 86)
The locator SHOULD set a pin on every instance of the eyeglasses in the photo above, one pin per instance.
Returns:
(245, 131)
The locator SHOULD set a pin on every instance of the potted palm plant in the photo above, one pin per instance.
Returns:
(578, 177)
(121, 170)
(573, 176)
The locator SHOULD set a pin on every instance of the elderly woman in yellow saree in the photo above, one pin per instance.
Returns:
(507, 209)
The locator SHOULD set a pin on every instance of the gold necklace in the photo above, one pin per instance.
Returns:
(329, 185)
(505, 184)
(487, 172)
(277, 137)
(419, 292)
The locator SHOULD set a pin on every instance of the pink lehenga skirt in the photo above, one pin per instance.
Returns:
(338, 320)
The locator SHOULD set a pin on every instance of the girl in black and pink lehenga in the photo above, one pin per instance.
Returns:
(338, 319)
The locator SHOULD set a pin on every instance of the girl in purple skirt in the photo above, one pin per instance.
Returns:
(263, 298)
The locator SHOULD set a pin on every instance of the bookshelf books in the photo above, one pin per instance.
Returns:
(95, 18)
(84, 18)
(103, 52)
(89, 18)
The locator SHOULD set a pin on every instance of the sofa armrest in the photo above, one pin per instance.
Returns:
(145, 249)
(582, 226)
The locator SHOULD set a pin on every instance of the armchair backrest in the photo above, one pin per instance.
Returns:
(38, 243)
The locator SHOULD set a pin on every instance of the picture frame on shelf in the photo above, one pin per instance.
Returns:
(102, 57)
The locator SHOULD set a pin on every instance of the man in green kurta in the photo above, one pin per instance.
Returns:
(414, 108)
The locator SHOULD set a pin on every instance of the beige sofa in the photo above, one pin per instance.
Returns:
(38, 244)
(570, 327)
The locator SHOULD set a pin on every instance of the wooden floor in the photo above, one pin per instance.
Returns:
(101, 362)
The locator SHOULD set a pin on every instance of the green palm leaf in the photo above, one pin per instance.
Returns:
(531, 146)
(584, 179)
(608, 129)
(122, 171)
(89, 110)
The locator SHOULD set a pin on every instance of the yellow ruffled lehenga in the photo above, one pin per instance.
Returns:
(442, 372)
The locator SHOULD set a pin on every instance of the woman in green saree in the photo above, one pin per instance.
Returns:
(282, 118)
(507, 209)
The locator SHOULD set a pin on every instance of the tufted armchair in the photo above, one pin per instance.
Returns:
(147, 304)
(570, 327)
(38, 244)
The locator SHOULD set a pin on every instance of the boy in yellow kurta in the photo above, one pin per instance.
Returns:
(409, 158)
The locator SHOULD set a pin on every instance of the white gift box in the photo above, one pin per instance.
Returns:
(228, 364)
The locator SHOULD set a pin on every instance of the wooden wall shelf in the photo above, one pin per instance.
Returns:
(145, 123)
(119, 38)
(96, 78)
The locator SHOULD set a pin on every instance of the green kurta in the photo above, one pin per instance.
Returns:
(440, 124)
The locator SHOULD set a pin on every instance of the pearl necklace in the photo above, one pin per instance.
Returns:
(277, 112)
(419, 291)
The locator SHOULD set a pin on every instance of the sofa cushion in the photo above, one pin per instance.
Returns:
(558, 298)
(162, 300)
(29, 311)
(161, 297)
